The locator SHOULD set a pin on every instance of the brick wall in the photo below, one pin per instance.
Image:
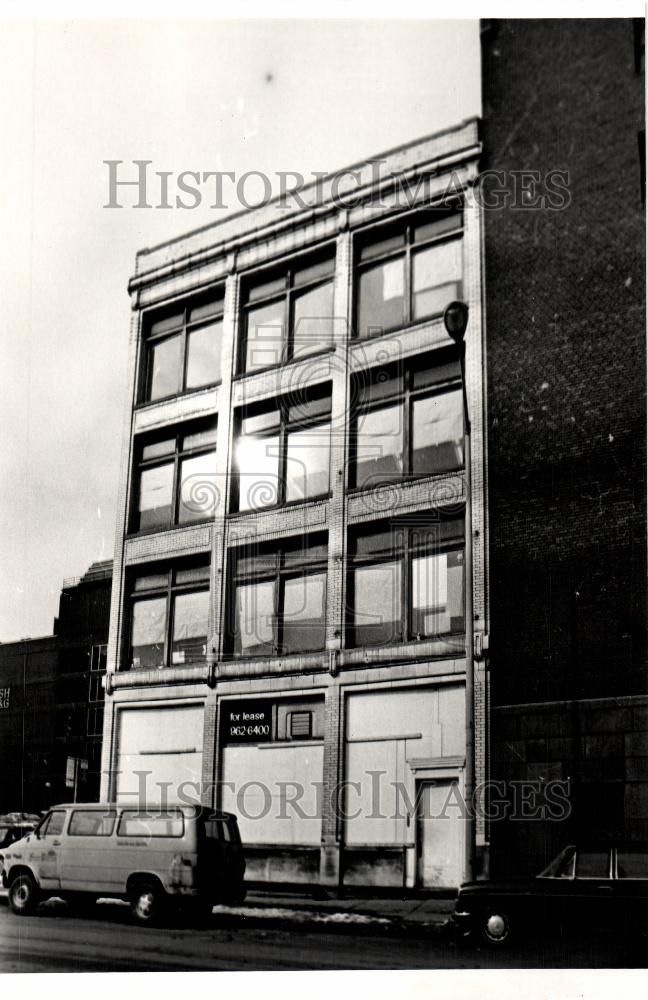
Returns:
(566, 366)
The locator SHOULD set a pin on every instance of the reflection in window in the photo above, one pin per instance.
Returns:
(287, 313)
(282, 451)
(408, 271)
(279, 598)
(168, 617)
(408, 421)
(183, 347)
(405, 582)
(177, 478)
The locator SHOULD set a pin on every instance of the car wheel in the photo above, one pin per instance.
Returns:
(147, 903)
(23, 895)
(495, 927)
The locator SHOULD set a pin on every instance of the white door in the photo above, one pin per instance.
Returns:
(440, 833)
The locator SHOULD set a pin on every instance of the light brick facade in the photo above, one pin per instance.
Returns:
(430, 670)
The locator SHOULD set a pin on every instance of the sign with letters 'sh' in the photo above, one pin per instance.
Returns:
(246, 721)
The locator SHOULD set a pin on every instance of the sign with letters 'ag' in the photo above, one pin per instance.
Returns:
(246, 721)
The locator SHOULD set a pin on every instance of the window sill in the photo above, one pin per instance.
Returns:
(290, 505)
(145, 404)
(280, 366)
(410, 479)
(403, 328)
(148, 532)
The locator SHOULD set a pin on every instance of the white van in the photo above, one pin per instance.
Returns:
(149, 855)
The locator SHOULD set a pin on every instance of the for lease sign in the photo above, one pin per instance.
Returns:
(246, 721)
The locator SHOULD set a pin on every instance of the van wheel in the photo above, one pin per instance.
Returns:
(23, 895)
(147, 903)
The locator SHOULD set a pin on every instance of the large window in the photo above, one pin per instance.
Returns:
(281, 452)
(168, 616)
(176, 478)
(287, 313)
(408, 421)
(405, 582)
(408, 271)
(278, 598)
(183, 347)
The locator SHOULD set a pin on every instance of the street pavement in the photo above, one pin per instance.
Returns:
(261, 936)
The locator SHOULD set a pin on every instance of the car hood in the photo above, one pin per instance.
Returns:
(512, 885)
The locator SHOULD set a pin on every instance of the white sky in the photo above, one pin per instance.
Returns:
(190, 96)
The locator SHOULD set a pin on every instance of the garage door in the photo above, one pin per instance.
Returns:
(159, 754)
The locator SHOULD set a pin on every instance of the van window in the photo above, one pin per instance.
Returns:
(632, 864)
(222, 829)
(138, 824)
(91, 823)
(53, 826)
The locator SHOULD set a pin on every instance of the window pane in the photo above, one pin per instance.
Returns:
(386, 245)
(377, 604)
(257, 460)
(147, 632)
(322, 269)
(56, 824)
(254, 625)
(379, 446)
(437, 226)
(435, 374)
(210, 308)
(592, 864)
(164, 367)
(190, 627)
(304, 613)
(265, 336)
(436, 278)
(172, 322)
(263, 420)
(632, 864)
(381, 297)
(91, 823)
(305, 406)
(437, 594)
(192, 574)
(313, 320)
(380, 383)
(158, 449)
(155, 507)
(197, 487)
(166, 824)
(151, 581)
(266, 288)
(437, 432)
(199, 439)
(307, 463)
(204, 355)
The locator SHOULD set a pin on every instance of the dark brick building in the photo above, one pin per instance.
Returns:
(51, 701)
(566, 366)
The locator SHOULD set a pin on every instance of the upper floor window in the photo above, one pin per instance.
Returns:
(408, 421)
(182, 348)
(278, 598)
(287, 313)
(175, 481)
(168, 616)
(405, 582)
(407, 272)
(282, 447)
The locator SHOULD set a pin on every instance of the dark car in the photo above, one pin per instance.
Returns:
(599, 886)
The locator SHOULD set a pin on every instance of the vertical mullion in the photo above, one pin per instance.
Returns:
(407, 418)
(408, 275)
(175, 500)
(287, 347)
(405, 588)
(283, 448)
(278, 604)
(183, 358)
(169, 621)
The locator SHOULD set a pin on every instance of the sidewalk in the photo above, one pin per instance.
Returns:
(408, 912)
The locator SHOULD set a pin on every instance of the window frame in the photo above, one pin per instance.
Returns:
(405, 226)
(403, 551)
(277, 572)
(405, 398)
(169, 591)
(183, 330)
(282, 429)
(288, 294)
(178, 432)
